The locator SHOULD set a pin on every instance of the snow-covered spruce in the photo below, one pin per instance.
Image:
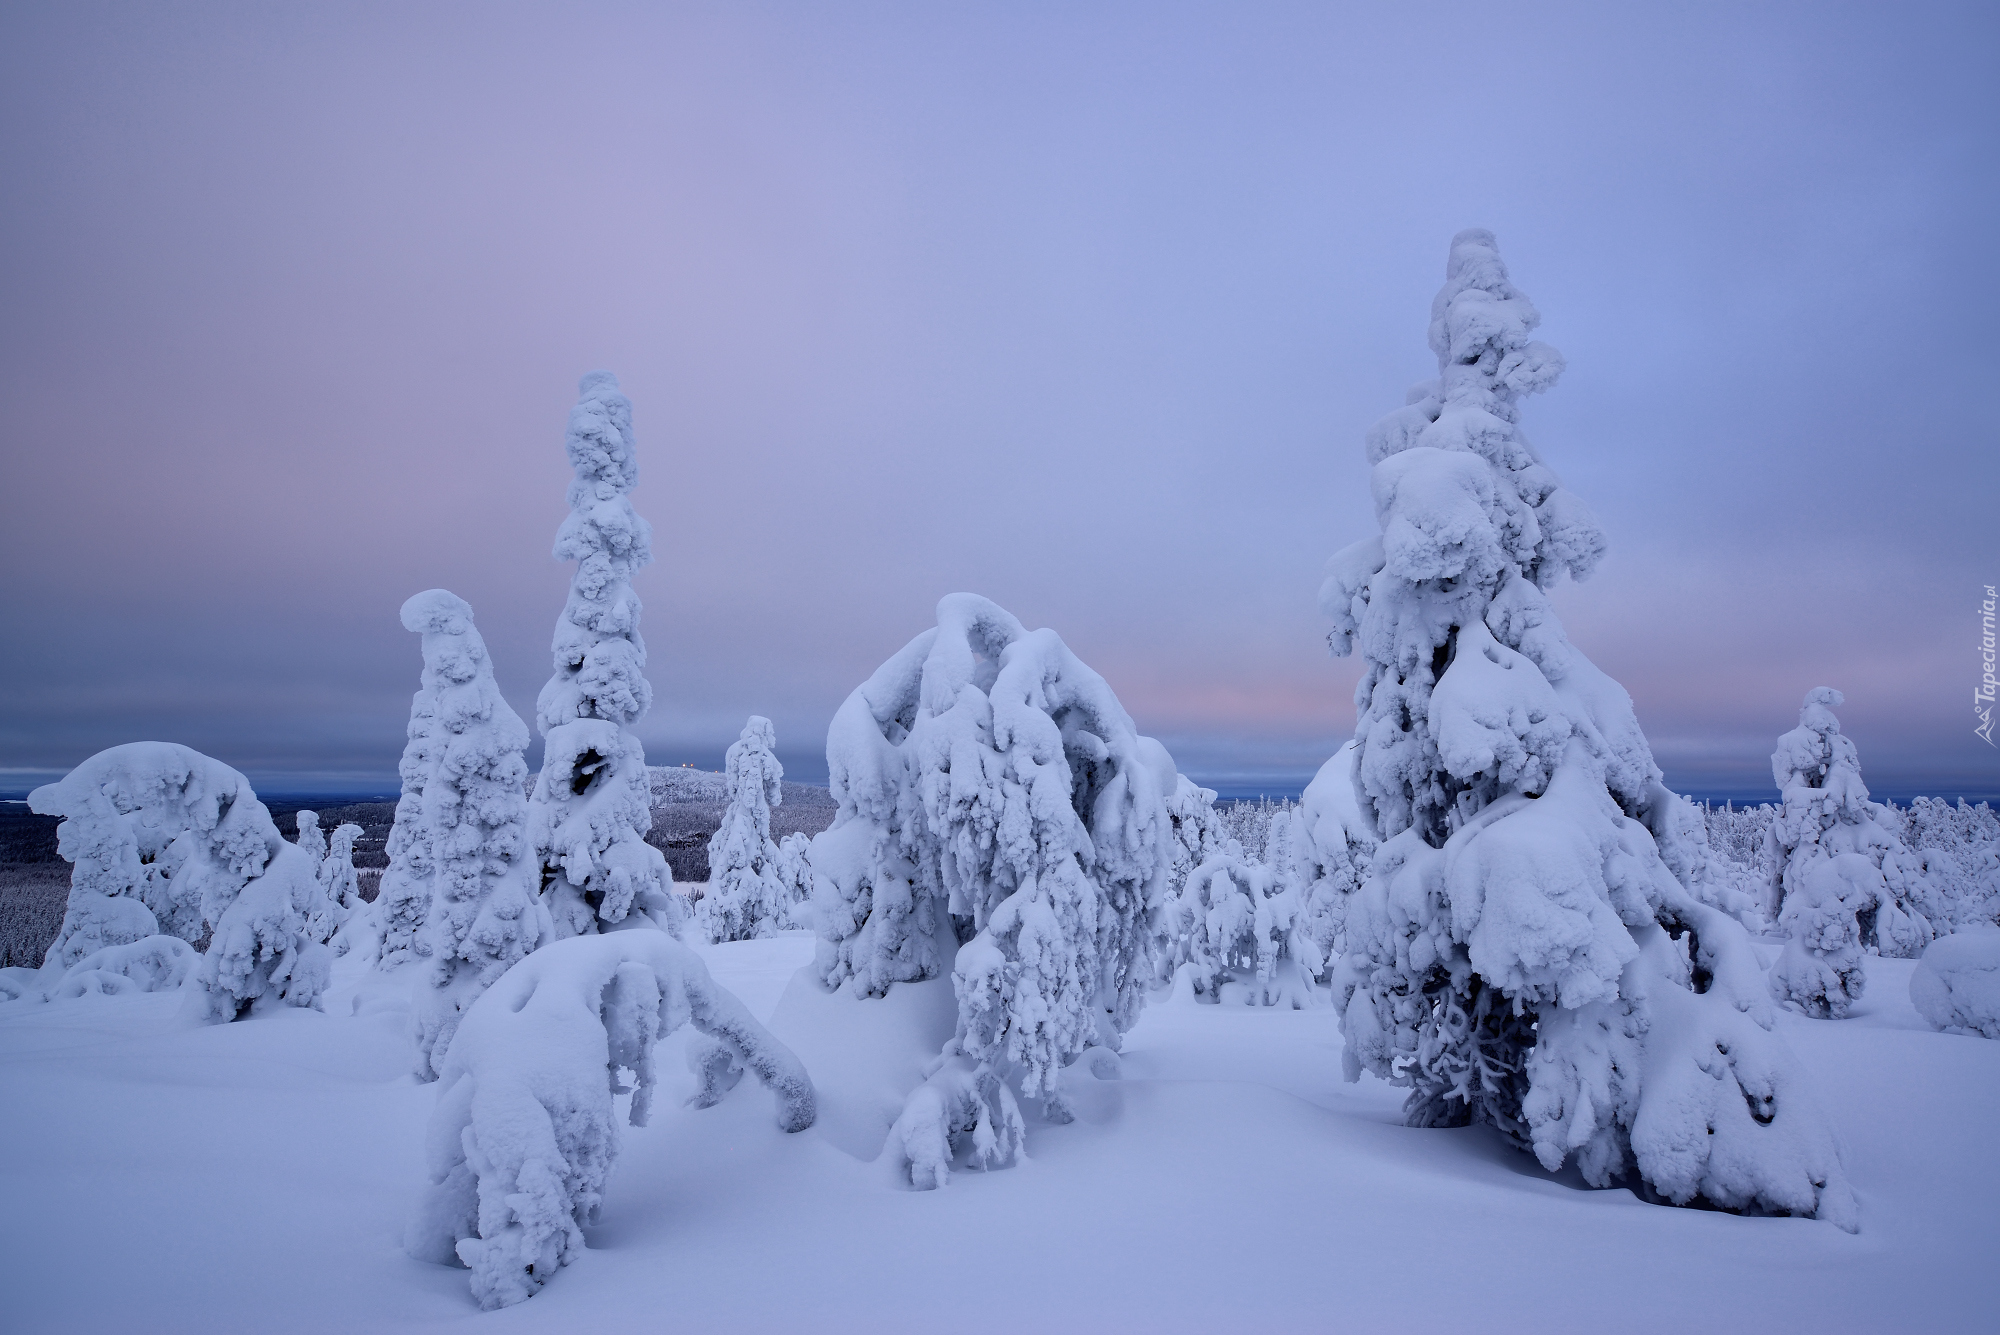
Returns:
(390, 931)
(1238, 926)
(1521, 956)
(338, 878)
(524, 1136)
(1842, 880)
(325, 914)
(167, 842)
(998, 816)
(1956, 985)
(484, 914)
(796, 874)
(747, 895)
(1333, 850)
(590, 810)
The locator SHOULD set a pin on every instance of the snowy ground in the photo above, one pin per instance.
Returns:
(254, 1177)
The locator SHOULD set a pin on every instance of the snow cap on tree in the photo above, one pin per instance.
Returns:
(484, 915)
(999, 815)
(168, 840)
(748, 895)
(591, 806)
(1521, 955)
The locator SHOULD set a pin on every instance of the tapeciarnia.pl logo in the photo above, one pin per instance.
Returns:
(1982, 698)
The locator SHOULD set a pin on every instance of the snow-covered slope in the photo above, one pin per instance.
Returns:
(257, 1176)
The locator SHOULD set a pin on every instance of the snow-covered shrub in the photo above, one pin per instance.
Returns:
(1521, 956)
(484, 914)
(524, 1136)
(1842, 880)
(1238, 924)
(999, 816)
(166, 840)
(1333, 849)
(151, 964)
(590, 811)
(1740, 837)
(747, 895)
(1962, 844)
(1956, 984)
(795, 873)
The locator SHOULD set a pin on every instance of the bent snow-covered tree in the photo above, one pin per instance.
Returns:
(998, 817)
(484, 915)
(168, 841)
(523, 1136)
(1521, 956)
(1843, 881)
(591, 809)
(748, 895)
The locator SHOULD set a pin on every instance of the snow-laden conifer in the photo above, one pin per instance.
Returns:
(796, 874)
(1334, 850)
(337, 874)
(404, 895)
(747, 895)
(168, 841)
(1521, 955)
(484, 915)
(590, 811)
(1238, 928)
(311, 838)
(524, 1134)
(999, 817)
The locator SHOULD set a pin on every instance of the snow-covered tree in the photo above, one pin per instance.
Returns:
(337, 874)
(1521, 956)
(1197, 833)
(747, 895)
(1238, 924)
(311, 838)
(590, 810)
(484, 914)
(796, 873)
(524, 1136)
(1334, 850)
(169, 841)
(325, 914)
(404, 895)
(1000, 817)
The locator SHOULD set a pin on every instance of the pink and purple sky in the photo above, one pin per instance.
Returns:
(1082, 307)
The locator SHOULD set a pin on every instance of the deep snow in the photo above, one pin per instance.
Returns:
(258, 1175)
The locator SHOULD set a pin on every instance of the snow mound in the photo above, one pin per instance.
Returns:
(523, 1137)
(1956, 984)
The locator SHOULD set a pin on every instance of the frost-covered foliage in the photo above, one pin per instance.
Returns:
(1333, 850)
(1238, 927)
(795, 873)
(1956, 985)
(524, 1133)
(747, 894)
(1843, 880)
(168, 841)
(590, 811)
(1962, 843)
(998, 816)
(484, 915)
(1521, 955)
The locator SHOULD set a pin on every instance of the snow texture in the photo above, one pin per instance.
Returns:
(1956, 985)
(1522, 954)
(748, 893)
(998, 815)
(167, 841)
(484, 915)
(524, 1137)
(590, 810)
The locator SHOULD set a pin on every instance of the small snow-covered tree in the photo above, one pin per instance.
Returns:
(404, 896)
(747, 895)
(337, 874)
(590, 810)
(325, 914)
(169, 841)
(796, 873)
(484, 916)
(1836, 854)
(1238, 925)
(524, 1133)
(1197, 834)
(1000, 817)
(311, 838)
(1521, 955)
(1333, 849)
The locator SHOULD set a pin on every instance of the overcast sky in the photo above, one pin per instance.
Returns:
(1084, 307)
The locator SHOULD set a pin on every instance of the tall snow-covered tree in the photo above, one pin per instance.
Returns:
(1843, 881)
(404, 896)
(484, 914)
(590, 810)
(169, 841)
(1521, 956)
(998, 817)
(747, 895)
